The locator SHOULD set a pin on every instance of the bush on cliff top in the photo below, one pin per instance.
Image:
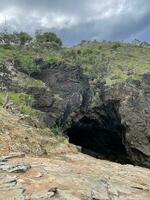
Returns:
(115, 61)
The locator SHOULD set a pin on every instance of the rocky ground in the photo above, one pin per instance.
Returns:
(50, 168)
(71, 176)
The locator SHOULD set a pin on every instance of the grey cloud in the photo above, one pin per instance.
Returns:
(80, 19)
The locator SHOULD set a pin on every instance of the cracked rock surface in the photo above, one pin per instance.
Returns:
(72, 176)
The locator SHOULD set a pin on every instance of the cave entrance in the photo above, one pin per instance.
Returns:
(98, 141)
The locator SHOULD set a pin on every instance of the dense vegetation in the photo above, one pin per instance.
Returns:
(114, 61)
(22, 103)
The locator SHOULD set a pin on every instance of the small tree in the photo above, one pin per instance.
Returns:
(47, 38)
(116, 45)
(24, 38)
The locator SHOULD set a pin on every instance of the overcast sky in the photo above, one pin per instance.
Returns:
(75, 20)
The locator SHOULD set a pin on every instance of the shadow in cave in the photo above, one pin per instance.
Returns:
(98, 141)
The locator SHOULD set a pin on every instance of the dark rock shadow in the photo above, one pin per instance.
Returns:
(101, 139)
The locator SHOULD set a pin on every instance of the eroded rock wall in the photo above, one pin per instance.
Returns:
(68, 96)
(124, 104)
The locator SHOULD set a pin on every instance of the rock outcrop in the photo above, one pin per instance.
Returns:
(122, 110)
(134, 111)
(113, 119)
(73, 177)
(69, 91)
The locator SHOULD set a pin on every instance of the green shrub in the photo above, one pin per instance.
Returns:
(57, 131)
(35, 83)
(27, 110)
(116, 45)
(21, 99)
(48, 37)
(26, 64)
(23, 102)
(1, 100)
(53, 58)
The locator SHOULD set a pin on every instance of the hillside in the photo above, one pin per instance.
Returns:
(115, 61)
(119, 61)
(18, 134)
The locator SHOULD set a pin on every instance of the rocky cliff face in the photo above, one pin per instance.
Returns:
(110, 120)
(134, 111)
(69, 91)
(106, 121)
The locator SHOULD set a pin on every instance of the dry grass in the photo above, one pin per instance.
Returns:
(18, 135)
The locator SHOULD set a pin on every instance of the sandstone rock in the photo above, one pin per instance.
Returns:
(7, 181)
(17, 194)
(75, 177)
(13, 155)
(15, 168)
(3, 161)
(19, 168)
(10, 189)
(45, 195)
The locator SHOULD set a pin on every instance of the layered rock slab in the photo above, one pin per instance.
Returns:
(75, 177)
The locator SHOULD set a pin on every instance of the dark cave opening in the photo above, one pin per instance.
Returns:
(99, 141)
